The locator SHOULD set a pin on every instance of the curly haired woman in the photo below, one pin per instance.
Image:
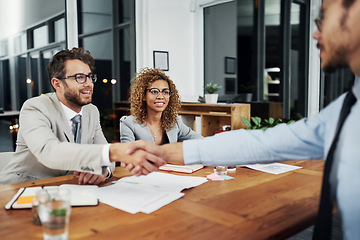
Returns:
(154, 110)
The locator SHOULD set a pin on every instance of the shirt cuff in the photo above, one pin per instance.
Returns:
(105, 159)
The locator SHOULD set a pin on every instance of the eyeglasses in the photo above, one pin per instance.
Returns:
(81, 78)
(155, 92)
(318, 22)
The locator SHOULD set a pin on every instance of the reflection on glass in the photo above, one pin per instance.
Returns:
(59, 30)
(95, 15)
(272, 52)
(124, 13)
(21, 79)
(125, 62)
(100, 47)
(41, 36)
(20, 43)
(220, 45)
(34, 61)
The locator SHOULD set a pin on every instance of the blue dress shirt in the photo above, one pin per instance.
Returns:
(309, 138)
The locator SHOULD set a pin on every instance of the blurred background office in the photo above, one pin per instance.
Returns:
(246, 46)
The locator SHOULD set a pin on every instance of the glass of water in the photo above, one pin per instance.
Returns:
(54, 214)
(221, 170)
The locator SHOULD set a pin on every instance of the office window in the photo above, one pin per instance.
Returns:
(4, 48)
(5, 97)
(41, 36)
(266, 38)
(100, 47)
(59, 31)
(123, 11)
(95, 15)
(21, 77)
(20, 45)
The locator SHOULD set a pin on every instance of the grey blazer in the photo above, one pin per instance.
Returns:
(131, 130)
(45, 143)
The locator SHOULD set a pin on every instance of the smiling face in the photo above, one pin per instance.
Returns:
(339, 38)
(156, 104)
(71, 93)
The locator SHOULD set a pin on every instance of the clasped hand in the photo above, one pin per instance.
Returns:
(139, 157)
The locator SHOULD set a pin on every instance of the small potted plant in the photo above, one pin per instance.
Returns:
(211, 96)
(246, 92)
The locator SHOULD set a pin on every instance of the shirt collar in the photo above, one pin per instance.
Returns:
(69, 113)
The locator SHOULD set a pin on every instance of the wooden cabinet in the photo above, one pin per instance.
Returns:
(215, 115)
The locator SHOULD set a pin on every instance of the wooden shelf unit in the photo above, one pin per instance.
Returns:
(215, 115)
(212, 115)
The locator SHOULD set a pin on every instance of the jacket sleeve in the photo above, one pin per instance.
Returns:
(126, 131)
(43, 132)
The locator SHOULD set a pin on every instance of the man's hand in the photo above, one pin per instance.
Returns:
(143, 159)
(89, 178)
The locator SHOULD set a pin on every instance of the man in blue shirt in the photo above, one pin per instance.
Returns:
(338, 37)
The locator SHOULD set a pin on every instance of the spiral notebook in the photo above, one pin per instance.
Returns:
(81, 195)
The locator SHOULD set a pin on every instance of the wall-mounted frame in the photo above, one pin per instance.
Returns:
(229, 85)
(230, 65)
(161, 60)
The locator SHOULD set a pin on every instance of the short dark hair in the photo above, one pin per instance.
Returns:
(56, 68)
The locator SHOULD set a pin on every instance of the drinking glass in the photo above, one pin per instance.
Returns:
(54, 214)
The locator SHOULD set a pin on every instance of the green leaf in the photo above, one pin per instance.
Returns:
(271, 120)
(59, 212)
(256, 120)
(246, 122)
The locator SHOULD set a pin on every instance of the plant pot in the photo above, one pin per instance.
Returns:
(211, 98)
(245, 97)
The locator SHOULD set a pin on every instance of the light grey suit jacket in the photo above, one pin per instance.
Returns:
(45, 143)
(131, 130)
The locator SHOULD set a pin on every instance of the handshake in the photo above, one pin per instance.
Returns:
(141, 157)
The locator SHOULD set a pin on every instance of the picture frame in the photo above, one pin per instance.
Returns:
(230, 65)
(230, 86)
(161, 60)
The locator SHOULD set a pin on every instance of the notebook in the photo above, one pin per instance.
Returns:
(81, 195)
(181, 168)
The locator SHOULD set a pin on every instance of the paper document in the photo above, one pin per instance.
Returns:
(274, 168)
(146, 193)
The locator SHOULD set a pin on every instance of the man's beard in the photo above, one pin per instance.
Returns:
(337, 61)
(71, 96)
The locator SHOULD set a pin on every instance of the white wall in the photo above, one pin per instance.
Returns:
(168, 25)
(17, 15)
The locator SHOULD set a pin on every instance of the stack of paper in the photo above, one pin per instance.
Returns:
(181, 168)
(146, 193)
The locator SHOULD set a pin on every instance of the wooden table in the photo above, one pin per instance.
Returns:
(254, 205)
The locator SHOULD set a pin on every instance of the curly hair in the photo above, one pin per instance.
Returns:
(56, 68)
(139, 83)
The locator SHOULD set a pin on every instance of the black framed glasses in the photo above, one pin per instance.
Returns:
(318, 22)
(81, 78)
(155, 92)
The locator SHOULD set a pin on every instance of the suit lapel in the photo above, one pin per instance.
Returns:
(85, 124)
(63, 123)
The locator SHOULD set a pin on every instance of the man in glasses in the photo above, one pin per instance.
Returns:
(318, 137)
(60, 132)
